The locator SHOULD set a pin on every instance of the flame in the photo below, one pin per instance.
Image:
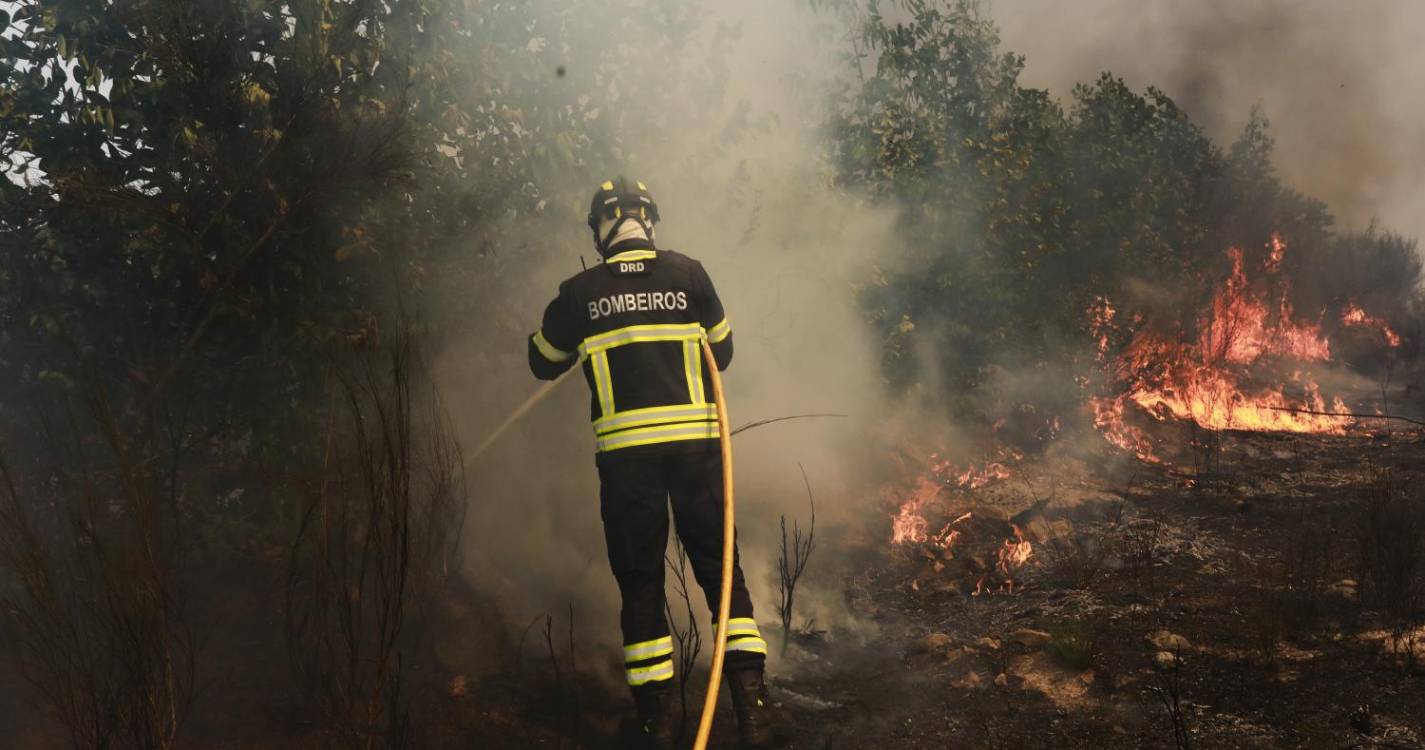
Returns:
(1213, 381)
(909, 526)
(1277, 247)
(1355, 316)
(1014, 554)
(1009, 558)
(1240, 330)
(1108, 417)
(949, 535)
(974, 479)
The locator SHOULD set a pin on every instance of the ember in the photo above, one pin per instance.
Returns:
(909, 525)
(1012, 556)
(973, 552)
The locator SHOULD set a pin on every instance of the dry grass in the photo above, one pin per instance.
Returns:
(379, 537)
(99, 612)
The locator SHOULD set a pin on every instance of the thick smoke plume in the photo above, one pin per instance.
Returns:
(1337, 80)
(721, 120)
(734, 161)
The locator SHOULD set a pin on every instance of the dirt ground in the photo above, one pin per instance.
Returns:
(1225, 603)
(1213, 606)
(1164, 608)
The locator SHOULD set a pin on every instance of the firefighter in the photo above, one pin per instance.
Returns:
(636, 323)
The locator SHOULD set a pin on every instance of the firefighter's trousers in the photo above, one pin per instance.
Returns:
(634, 499)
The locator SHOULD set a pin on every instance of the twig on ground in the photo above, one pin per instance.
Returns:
(793, 561)
(1168, 690)
(576, 718)
(518, 666)
(689, 639)
(553, 657)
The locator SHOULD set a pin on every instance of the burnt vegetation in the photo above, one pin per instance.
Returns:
(235, 237)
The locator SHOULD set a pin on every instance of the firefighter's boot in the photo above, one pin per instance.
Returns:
(754, 710)
(657, 720)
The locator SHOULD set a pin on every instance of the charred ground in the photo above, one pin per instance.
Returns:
(1236, 606)
(244, 243)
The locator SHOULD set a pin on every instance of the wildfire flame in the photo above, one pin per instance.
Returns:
(1355, 316)
(974, 479)
(1012, 556)
(1109, 419)
(909, 526)
(949, 535)
(1213, 381)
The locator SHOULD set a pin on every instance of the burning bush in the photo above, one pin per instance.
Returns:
(1025, 223)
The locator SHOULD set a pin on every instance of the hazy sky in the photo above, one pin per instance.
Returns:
(1342, 82)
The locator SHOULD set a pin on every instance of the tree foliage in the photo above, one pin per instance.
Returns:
(215, 212)
(1018, 213)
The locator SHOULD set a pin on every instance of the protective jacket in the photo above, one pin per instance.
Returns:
(636, 323)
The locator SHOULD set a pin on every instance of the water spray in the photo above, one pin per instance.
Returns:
(519, 413)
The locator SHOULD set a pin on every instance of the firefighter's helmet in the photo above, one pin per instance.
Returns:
(620, 200)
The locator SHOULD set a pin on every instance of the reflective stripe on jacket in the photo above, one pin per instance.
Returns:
(636, 324)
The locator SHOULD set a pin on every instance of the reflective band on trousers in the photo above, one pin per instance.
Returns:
(654, 416)
(648, 649)
(740, 626)
(663, 434)
(657, 673)
(749, 644)
(744, 635)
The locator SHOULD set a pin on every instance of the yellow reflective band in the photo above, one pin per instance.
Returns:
(659, 672)
(752, 645)
(608, 185)
(641, 333)
(648, 649)
(719, 333)
(740, 626)
(696, 391)
(663, 434)
(549, 351)
(629, 255)
(603, 382)
(641, 186)
(693, 371)
(654, 415)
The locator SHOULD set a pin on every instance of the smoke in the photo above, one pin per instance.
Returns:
(717, 113)
(1337, 81)
(724, 136)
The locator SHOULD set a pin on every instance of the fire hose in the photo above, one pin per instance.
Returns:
(724, 601)
(728, 523)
